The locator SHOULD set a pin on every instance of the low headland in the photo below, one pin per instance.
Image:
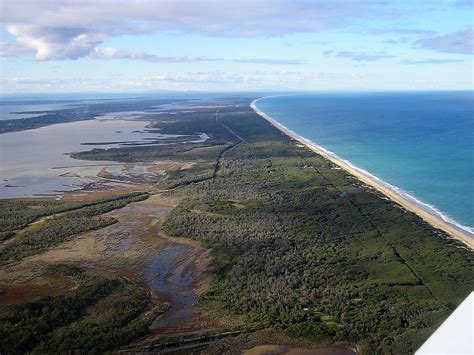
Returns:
(426, 212)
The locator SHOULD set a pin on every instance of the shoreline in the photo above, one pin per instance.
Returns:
(426, 212)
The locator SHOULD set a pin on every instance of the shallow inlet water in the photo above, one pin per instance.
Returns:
(169, 268)
(171, 275)
(37, 161)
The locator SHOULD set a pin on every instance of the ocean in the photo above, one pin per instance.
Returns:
(419, 142)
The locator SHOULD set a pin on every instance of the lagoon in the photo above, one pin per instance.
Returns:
(37, 161)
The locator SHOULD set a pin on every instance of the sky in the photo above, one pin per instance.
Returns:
(235, 45)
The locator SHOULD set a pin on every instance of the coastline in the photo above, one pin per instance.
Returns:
(426, 212)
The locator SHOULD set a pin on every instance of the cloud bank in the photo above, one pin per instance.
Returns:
(112, 53)
(362, 56)
(461, 42)
(194, 80)
(431, 61)
(63, 29)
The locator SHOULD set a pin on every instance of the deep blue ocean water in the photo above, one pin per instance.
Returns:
(420, 142)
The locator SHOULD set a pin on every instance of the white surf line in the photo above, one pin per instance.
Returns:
(427, 212)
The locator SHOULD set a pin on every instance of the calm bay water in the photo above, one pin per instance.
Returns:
(29, 160)
(420, 142)
(35, 161)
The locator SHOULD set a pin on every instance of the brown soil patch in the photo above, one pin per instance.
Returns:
(128, 248)
(269, 342)
(285, 350)
(48, 285)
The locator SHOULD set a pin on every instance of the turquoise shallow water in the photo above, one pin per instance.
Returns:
(422, 143)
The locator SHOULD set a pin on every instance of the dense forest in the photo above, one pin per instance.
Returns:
(301, 246)
(296, 244)
(101, 314)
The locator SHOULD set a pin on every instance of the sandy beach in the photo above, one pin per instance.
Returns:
(412, 205)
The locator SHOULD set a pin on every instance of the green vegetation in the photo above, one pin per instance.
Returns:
(183, 123)
(77, 218)
(16, 214)
(301, 246)
(296, 245)
(306, 248)
(102, 314)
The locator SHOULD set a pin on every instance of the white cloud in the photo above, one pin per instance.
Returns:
(72, 29)
(12, 49)
(362, 56)
(431, 61)
(50, 43)
(461, 42)
(195, 80)
(112, 53)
